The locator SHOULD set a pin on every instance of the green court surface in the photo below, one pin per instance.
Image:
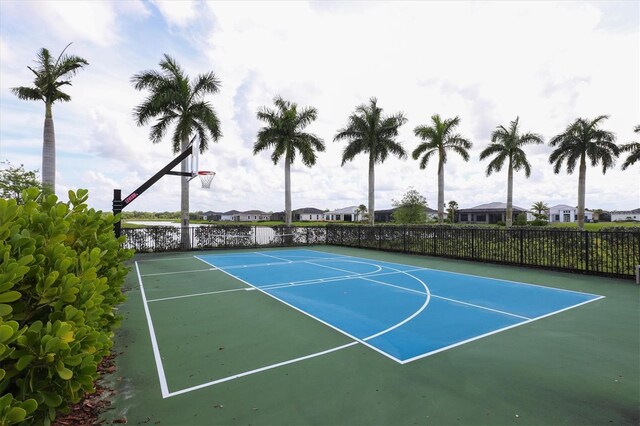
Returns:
(237, 356)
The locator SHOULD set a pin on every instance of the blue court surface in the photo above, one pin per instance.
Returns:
(402, 311)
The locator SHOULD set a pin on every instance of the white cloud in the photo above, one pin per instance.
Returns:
(487, 62)
(178, 13)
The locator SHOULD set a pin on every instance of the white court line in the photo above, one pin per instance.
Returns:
(257, 265)
(274, 257)
(165, 258)
(258, 370)
(154, 343)
(179, 272)
(200, 294)
(406, 361)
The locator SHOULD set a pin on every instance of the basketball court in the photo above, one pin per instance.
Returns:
(213, 323)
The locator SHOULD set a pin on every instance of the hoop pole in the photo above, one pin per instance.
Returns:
(117, 208)
(119, 204)
(165, 170)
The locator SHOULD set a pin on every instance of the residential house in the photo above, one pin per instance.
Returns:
(563, 213)
(277, 216)
(308, 214)
(383, 215)
(347, 214)
(251, 216)
(489, 213)
(228, 215)
(625, 215)
(211, 216)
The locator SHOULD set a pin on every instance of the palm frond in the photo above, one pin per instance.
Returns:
(28, 93)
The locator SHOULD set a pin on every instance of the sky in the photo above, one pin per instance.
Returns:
(546, 62)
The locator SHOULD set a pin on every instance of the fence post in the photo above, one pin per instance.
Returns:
(404, 239)
(521, 246)
(473, 243)
(586, 250)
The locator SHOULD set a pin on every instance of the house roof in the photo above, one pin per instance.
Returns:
(562, 207)
(308, 210)
(496, 206)
(230, 212)
(253, 212)
(626, 211)
(211, 212)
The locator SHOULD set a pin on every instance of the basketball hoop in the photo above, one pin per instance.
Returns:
(206, 178)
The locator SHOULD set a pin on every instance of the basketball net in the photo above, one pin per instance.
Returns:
(206, 178)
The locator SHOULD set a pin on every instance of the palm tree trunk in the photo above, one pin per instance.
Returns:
(184, 198)
(440, 191)
(582, 183)
(49, 152)
(510, 195)
(372, 185)
(287, 192)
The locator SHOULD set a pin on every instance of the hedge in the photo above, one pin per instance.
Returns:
(61, 275)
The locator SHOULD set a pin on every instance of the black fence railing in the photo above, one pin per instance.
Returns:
(610, 253)
(159, 239)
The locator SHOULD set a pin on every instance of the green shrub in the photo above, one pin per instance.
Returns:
(538, 222)
(501, 223)
(521, 219)
(60, 278)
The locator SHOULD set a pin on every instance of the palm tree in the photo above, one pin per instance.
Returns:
(583, 139)
(362, 213)
(506, 144)
(634, 149)
(439, 138)
(540, 207)
(284, 133)
(368, 131)
(175, 99)
(452, 207)
(50, 75)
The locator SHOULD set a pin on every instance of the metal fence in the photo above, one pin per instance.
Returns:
(610, 253)
(159, 239)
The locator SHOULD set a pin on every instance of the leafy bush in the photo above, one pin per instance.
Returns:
(60, 278)
(521, 219)
(501, 223)
(538, 222)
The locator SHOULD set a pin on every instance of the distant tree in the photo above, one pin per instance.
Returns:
(438, 139)
(50, 76)
(506, 147)
(411, 208)
(368, 131)
(584, 140)
(362, 213)
(14, 180)
(521, 219)
(540, 208)
(597, 213)
(175, 99)
(452, 207)
(284, 134)
(634, 151)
